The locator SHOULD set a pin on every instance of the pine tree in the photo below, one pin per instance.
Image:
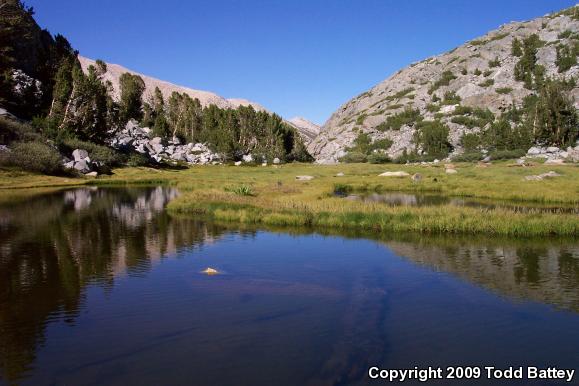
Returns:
(130, 103)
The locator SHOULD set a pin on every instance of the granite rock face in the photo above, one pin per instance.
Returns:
(482, 76)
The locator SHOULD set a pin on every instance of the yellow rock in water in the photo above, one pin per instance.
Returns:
(210, 271)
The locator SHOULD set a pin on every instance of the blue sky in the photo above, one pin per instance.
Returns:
(302, 57)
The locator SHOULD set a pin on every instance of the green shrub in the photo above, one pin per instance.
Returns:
(487, 83)
(35, 157)
(487, 73)
(468, 157)
(378, 158)
(11, 130)
(470, 142)
(406, 117)
(494, 63)
(361, 118)
(565, 34)
(433, 137)
(451, 98)
(566, 57)
(464, 71)
(137, 159)
(354, 157)
(413, 157)
(503, 90)
(507, 154)
(431, 107)
(444, 80)
(477, 72)
(99, 153)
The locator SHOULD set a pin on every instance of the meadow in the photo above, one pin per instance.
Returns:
(272, 196)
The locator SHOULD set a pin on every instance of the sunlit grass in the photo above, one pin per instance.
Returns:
(274, 197)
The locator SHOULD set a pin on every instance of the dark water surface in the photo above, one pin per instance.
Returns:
(103, 287)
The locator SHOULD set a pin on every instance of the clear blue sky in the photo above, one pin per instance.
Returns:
(296, 57)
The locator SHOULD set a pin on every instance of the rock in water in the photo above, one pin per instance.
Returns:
(210, 271)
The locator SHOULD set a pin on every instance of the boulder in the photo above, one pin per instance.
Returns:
(178, 156)
(394, 174)
(416, 177)
(552, 149)
(264, 164)
(534, 151)
(247, 158)
(451, 171)
(92, 174)
(237, 163)
(82, 166)
(540, 177)
(276, 161)
(156, 141)
(340, 174)
(304, 178)
(158, 148)
(79, 154)
(555, 161)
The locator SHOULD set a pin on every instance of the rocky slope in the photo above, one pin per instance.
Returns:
(114, 72)
(307, 129)
(482, 75)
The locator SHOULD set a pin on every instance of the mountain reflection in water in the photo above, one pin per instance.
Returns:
(103, 286)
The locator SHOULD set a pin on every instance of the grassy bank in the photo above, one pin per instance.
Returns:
(272, 196)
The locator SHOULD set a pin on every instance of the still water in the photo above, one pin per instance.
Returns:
(103, 286)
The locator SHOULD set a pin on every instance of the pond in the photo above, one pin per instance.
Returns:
(103, 286)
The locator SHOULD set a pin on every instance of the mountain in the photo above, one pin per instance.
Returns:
(307, 129)
(114, 72)
(479, 74)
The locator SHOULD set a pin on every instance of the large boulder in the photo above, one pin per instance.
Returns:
(79, 154)
(82, 166)
(394, 174)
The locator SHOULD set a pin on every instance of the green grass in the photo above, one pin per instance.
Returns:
(278, 199)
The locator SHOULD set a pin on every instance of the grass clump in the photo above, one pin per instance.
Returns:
(241, 190)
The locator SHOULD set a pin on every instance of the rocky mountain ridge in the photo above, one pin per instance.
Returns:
(478, 74)
(114, 72)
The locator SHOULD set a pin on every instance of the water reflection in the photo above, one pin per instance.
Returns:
(52, 246)
(412, 199)
(291, 309)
